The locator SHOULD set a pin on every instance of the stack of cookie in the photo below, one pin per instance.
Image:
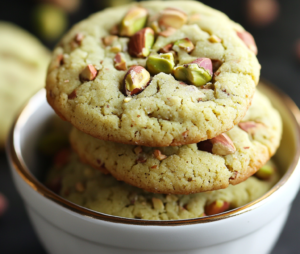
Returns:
(160, 98)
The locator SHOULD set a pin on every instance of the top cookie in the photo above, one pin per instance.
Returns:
(201, 87)
(23, 66)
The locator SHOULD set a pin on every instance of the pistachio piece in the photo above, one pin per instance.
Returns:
(168, 32)
(158, 155)
(248, 39)
(138, 150)
(166, 49)
(155, 26)
(109, 39)
(134, 20)
(56, 62)
(120, 62)
(172, 17)
(216, 64)
(127, 99)
(250, 127)
(214, 39)
(114, 30)
(198, 72)
(158, 204)
(115, 48)
(160, 63)
(136, 80)
(216, 207)
(141, 43)
(265, 172)
(220, 145)
(72, 95)
(89, 73)
(184, 44)
(78, 38)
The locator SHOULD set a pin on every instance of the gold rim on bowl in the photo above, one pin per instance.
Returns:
(21, 168)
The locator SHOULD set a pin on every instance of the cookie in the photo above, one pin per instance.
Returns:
(23, 66)
(209, 165)
(88, 187)
(118, 88)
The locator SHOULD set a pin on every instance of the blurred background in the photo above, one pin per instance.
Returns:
(275, 25)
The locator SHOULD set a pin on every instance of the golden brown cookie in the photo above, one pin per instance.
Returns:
(209, 165)
(90, 188)
(195, 82)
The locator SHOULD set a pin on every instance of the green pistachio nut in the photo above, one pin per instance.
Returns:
(265, 172)
(160, 63)
(172, 17)
(136, 80)
(198, 72)
(134, 20)
(184, 44)
(141, 42)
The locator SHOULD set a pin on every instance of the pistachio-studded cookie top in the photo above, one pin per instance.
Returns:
(152, 75)
(208, 165)
(90, 188)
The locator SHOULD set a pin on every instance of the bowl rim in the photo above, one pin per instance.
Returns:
(21, 168)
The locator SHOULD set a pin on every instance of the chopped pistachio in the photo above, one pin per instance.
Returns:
(160, 63)
(134, 20)
(198, 72)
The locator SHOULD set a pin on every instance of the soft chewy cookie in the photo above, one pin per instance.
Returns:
(209, 165)
(90, 188)
(184, 76)
(23, 66)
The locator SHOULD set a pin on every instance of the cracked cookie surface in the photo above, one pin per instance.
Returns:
(167, 112)
(90, 188)
(186, 169)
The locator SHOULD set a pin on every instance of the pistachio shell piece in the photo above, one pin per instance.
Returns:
(184, 44)
(109, 39)
(265, 172)
(172, 17)
(141, 43)
(160, 63)
(136, 80)
(133, 21)
(198, 72)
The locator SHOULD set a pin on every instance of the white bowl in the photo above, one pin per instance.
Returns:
(64, 227)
